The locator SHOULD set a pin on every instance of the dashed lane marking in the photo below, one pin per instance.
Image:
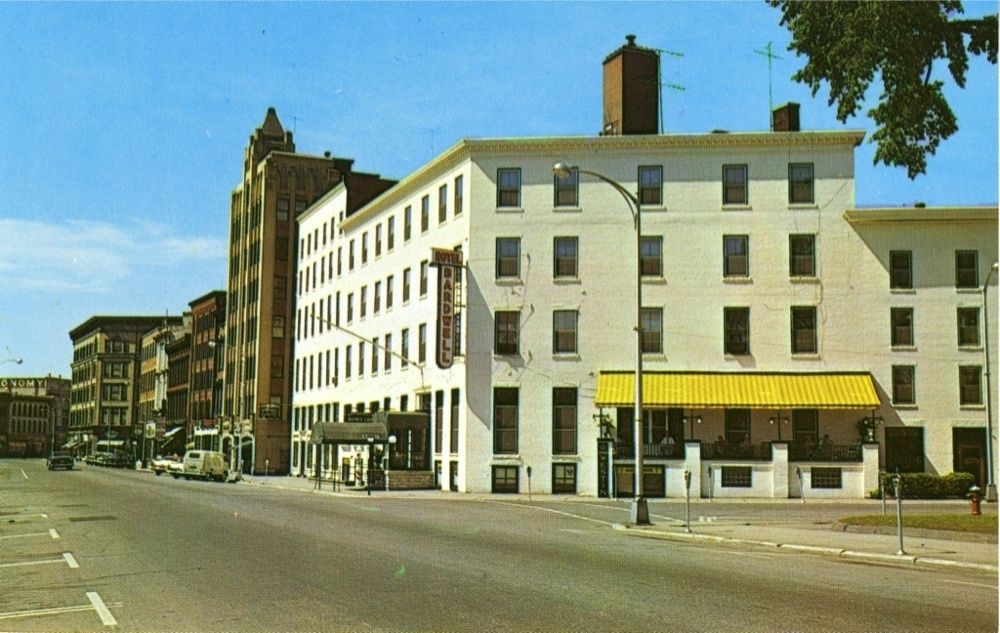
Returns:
(71, 561)
(102, 610)
(24, 473)
(53, 534)
(34, 562)
(971, 584)
(24, 535)
(52, 611)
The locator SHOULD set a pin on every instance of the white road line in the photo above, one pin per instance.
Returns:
(102, 609)
(565, 514)
(34, 562)
(71, 561)
(53, 533)
(25, 535)
(52, 611)
(24, 473)
(971, 584)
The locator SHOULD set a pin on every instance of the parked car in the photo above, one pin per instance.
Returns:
(98, 459)
(170, 464)
(205, 465)
(60, 460)
(116, 460)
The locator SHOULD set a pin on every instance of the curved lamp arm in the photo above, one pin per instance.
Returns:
(563, 170)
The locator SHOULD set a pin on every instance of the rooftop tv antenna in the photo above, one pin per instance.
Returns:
(770, 97)
(660, 84)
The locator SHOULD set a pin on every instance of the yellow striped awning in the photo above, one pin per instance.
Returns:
(754, 390)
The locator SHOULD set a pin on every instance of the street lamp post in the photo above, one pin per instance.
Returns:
(639, 512)
(991, 487)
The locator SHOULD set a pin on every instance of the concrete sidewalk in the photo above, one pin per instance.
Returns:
(797, 531)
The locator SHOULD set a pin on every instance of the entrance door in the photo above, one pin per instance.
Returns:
(969, 451)
(904, 449)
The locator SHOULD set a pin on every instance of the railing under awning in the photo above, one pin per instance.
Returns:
(753, 390)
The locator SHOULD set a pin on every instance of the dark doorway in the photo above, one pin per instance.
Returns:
(904, 449)
(969, 453)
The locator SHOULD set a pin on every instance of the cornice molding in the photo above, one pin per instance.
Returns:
(921, 214)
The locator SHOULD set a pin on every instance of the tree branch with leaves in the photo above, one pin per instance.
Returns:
(850, 44)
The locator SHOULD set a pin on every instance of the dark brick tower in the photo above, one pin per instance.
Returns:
(631, 90)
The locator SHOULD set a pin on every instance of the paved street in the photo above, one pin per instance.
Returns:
(102, 549)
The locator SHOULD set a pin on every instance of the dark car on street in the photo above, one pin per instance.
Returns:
(60, 460)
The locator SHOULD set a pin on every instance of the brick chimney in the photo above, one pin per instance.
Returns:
(631, 90)
(785, 118)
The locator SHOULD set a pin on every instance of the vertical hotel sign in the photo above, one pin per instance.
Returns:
(447, 263)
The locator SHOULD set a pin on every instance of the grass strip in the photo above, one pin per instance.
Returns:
(985, 523)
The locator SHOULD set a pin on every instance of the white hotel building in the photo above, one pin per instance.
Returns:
(778, 319)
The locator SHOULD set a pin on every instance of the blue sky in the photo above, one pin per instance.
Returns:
(124, 124)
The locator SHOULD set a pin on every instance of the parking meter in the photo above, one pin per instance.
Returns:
(687, 501)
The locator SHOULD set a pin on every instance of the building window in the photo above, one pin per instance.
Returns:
(564, 331)
(508, 257)
(377, 297)
(566, 250)
(424, 269)
(737, 477)
(900, 269)
(453, 421)
(804, 330)
(968, 326)
(278, 327)
(375, 351)
(903, 391)
(651, 256)
(422, 343)
(651, 185)
(564, 420)
(388, 292)
(737, 423)
(390, 233)
(350, 307)
(459, 183)
(363, 301)
(504, 479)
(282, 210)
(564, 479)
(737, 331)
(348, 362)
(800, 183)
(567, 190)
(361, 359)
(350, 255)
(442, 204)
(404, 348)
(509, 187)
(651, 322)
(805, 428)
(827, 478)
(378, 240)
(406, 285)
(970, 385)
(505, 413)
(966, 269)
(506, 334)
(736, 255)
(425, 213)
(407, 223)
(902, 326)
(734, 184)
(802, 255)
(387, 356)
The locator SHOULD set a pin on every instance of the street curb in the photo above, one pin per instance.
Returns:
(809, 549)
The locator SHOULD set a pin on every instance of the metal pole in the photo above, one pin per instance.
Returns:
(882, 490)
(687, 502)
(899, 512)
(639, 513)
(991, 488)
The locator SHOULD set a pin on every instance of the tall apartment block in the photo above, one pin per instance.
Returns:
(277, 184)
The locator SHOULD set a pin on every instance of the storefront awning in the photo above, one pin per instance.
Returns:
(349, 433)
(173, 430)
(747, 390)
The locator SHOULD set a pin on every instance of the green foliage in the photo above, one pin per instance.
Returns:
(929, 486)
(848, 43)
(967, 522)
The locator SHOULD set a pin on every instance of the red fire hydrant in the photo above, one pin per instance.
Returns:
(975, 498)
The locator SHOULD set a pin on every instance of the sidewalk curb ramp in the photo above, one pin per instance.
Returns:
(835, 552)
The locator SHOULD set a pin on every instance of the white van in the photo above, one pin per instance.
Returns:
(205, 465)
